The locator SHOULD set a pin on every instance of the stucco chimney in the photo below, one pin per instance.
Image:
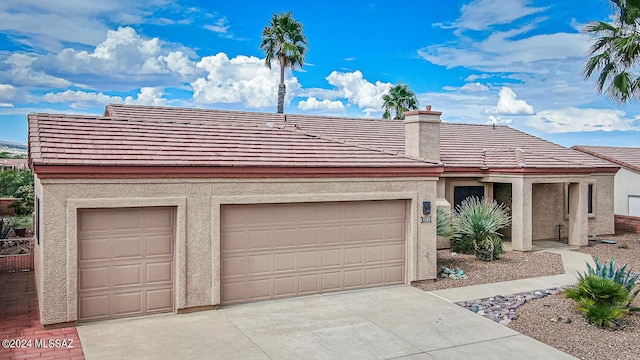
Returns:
(422, 134)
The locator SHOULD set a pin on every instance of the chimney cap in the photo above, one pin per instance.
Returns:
(428, 107)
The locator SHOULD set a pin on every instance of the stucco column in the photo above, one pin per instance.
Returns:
(578, 221)
(521, 239)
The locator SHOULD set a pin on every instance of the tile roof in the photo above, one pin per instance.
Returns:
(164, 136)
(464, 146)
(628, 157)
(87, 140)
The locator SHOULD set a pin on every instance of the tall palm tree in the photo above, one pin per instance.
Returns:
(615, 54)
(399, 99)
(283, 40)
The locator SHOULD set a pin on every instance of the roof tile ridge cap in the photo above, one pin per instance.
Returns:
(484, 160)
(519, 157)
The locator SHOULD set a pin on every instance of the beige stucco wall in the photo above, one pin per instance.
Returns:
(547, 209)
(627, 183)
(198, 203)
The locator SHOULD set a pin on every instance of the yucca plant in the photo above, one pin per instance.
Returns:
(600, 300)
(479, 221)
(621, 276)
(444, 221)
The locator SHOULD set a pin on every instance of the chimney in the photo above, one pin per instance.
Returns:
(422, 134)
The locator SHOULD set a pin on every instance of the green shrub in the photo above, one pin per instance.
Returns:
(444, 221)
(462, 245)
(608, 271)
(600, 300)
(478, 221)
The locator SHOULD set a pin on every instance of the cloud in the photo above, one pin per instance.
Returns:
(7, 92)
(312, 103)
(242, 79)
(469, 87)
(81, 99)
(123, 60)
(581, 120)
(49, 24)
(21, 73)
(484, 14)
(358, 91)
(508, 104)
(85, 99)
(221, 26)
(475, 77)
(506, 51)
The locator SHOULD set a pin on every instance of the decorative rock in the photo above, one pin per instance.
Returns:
(502, 308)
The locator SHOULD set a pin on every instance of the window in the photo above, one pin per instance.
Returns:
(634, 205)
(460, 193)
(590, 198)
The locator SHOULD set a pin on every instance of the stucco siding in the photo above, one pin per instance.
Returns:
(548, 211)
(603, 223)
(627, 183)
(198, 203)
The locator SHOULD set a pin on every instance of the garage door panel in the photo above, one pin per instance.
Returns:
(159, 272)
(284, 262)
(314, 248)
(127, 247)
(126, 268)
(96, 278)
(127, 303)
(126, 275)
(159, 300)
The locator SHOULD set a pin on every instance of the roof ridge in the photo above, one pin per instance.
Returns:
(586, 150)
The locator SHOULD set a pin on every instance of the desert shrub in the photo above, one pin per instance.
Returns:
(477, 224)
(444, 221)
(602, 301)
(622, 276)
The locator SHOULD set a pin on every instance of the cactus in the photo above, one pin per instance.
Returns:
(620, 276)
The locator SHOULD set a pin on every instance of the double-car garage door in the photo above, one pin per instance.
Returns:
(272, 251)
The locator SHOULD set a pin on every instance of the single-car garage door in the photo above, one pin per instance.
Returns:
(125, 262)
(273, 251)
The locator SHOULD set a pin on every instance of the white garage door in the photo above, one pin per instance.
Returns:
(634, 205)
(125, 262)
(274, 251)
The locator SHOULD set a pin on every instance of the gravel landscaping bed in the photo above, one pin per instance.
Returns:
(553, 320)
(546, 315)
(512, 265)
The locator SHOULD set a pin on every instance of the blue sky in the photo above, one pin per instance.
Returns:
(512, 62)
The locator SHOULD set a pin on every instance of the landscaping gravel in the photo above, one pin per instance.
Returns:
(546, 315)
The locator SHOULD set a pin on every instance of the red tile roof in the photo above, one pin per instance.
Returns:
(463, 146)
(66, 140)
(628, 157)
(147, 136)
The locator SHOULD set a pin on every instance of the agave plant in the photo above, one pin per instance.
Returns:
(608, 270)
(444, 221)
(479, 221)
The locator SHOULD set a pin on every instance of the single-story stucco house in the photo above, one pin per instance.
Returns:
(626, 204)
(156, 209)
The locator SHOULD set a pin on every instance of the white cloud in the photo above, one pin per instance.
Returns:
(243, 79)
(469, 87)
(49, 24)
(123, 60)
(581, 120)
(508, 104)
(148, 96)
(81, 99)
(507, 51)
(7, 92)
(313, 103)
(22, 73)
(358, 90)
(484, 14)
(220, 26)
(475, 77)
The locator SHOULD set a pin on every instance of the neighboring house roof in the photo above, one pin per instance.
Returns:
(14, 163)
(628, 157)
(463, 147)
(58, 143)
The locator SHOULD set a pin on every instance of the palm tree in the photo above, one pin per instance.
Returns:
(616, 52)
(283, 40)
(399, 99)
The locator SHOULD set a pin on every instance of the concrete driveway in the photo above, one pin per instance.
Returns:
(398, 322)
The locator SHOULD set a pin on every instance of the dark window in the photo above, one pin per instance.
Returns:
(590, 199)
(460, 193)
